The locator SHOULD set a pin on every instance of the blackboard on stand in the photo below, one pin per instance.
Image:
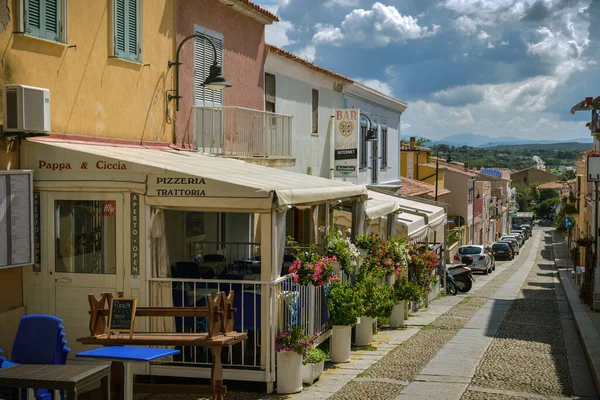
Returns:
(122, 316)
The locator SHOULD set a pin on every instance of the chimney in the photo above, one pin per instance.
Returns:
(466, 166)
(413, 140)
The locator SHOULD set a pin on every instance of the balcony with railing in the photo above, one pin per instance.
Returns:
(256, 136)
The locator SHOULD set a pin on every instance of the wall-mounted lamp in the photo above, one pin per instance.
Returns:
(371, 132)
(214, 80)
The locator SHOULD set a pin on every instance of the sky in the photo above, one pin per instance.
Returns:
(491, 67)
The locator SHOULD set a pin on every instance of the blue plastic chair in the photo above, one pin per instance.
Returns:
(249, 311)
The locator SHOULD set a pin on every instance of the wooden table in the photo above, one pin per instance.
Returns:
(70, 378)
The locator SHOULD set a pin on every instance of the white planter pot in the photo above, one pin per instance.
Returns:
(311, 372)
(406, 304)
(364, 331)
(341, 336)
(289, 372)
(397, 317)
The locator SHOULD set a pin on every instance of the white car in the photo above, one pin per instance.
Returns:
(514, 241)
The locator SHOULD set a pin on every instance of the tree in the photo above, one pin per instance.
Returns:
(569, 174)
(421, 141)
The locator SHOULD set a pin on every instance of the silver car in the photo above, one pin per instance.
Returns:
(476, 257)
(514, 241)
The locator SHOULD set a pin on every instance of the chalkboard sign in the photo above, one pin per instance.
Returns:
(122, 316)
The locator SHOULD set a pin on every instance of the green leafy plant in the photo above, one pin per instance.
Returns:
(404, 290)
(339, 246)
(314, 356)
(377, 297)
(386, 257)
(310, 267)
(293, 339)
(422, 265)
(344, 304)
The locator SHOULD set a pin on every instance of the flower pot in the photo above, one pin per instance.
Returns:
(311, 372)
(340, 343)
(397, 317)
(406, 304)
(289, 372)
(364, 331)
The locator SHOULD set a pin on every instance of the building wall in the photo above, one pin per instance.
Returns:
(392, 119)
(90, 91)
(533, 176)
(293, 88)
(243, 58)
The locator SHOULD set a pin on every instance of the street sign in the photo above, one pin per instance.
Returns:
(568, 222)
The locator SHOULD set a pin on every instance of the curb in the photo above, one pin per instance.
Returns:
(588, 335)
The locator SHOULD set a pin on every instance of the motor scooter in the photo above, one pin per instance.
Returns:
(450, 285)
(462, 277)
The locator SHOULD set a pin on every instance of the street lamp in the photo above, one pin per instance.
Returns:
(214, 80)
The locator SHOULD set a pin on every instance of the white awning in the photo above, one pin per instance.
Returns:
(176, 178)
(435, 215)
(414, 224)
(378, 207)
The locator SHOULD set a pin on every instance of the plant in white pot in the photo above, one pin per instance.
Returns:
(345, 307)
(313, 363)
(404, 292)
(377, 299)
(291, 345)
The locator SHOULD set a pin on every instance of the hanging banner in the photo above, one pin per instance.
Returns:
(346, 128)
(135, 234)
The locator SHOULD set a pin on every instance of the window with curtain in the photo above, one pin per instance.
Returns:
(127, 29)
(203, 59)
(384, 146)
(270, 93)
(315, 111)
(44, 19)
(362, 160)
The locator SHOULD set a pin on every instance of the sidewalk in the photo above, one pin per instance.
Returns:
(587, 322)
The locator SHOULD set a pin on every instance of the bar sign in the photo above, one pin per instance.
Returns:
(135, 234)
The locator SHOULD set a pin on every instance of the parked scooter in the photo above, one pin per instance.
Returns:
(450, 285)
(462, 277)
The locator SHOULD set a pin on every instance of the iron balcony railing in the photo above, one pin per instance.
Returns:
(242, 132)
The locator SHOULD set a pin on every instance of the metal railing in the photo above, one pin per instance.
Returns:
(242, 132)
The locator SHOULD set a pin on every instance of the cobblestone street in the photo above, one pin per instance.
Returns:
(513, 338)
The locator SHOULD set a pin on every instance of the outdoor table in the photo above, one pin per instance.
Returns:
(128, 355)
(70, 378)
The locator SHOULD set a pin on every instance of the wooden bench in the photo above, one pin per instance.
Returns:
(220, 333)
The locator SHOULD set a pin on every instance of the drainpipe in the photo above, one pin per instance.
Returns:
(331, 147)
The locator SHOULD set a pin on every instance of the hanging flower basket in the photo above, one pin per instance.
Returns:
(585, 241)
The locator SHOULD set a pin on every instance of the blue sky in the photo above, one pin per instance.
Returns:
(490, 67)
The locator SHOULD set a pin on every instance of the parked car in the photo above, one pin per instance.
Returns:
(502, 250)
(546, 222)
(475, 257)
(523, 232)
(519, 238)
(511, 245)
(514, 241)
(526, 227)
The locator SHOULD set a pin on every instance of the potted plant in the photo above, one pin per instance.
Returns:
(345, 307)
(377, 302)
(339, 246)
(404, 291)
(422, 267)
(291, 345)
(313, 363)
(311, 268)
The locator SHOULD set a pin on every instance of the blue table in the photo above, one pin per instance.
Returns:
(128, 355)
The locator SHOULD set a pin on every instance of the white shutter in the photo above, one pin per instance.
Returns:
(203, 59)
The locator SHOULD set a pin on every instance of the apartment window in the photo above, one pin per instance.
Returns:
(127, 17)
(203, 59)
(384, 146)
(315, 111)
(45, 19)
(270, 93)
(362, 161)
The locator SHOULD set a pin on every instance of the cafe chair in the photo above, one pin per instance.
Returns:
(213, 258)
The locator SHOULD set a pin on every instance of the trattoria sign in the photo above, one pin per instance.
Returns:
(177, 186)
(347, 124)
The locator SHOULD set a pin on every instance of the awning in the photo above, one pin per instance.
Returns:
(174, 178)
(435, 215)
(378, 207)
(414, 224)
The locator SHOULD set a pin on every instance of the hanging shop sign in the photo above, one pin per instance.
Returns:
(16, 218)
(346, 128)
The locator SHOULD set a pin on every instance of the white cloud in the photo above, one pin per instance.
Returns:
(483, 36)
(556, 47)
(341, 3)
(277, 33)
(543, 123)
(490, 45)
(404, 125)
(376, 84)
(377, 27)
(308, 53)
(504, 43)
(465, 25)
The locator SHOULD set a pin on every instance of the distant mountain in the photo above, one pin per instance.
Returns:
(474, 140)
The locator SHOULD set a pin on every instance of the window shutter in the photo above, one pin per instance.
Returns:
(120, 32)
(33, 17)
(51, 20)
(132, 30)
(203, 59)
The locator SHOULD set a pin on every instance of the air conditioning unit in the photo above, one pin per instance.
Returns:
(26, 109)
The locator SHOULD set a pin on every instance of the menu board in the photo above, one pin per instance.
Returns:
(121, 316)
(16, 218)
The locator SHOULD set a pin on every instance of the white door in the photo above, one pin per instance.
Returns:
(86, 256)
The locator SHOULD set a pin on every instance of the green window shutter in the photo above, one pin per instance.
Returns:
(127, 29)
(51, 12)
(33, 17)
